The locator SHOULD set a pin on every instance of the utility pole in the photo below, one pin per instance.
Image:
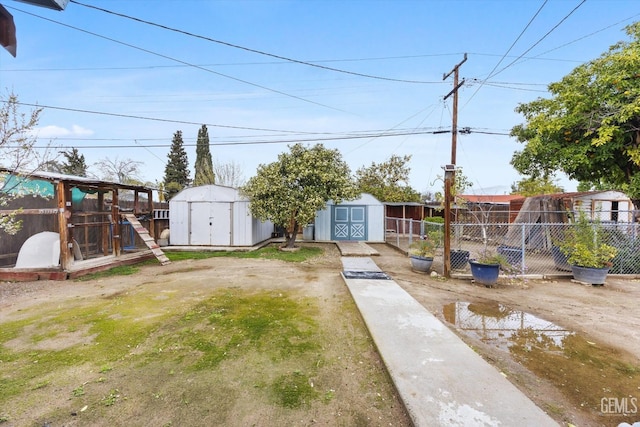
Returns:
(449, 170)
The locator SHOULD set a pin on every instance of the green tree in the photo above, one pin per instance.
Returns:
(204, 165)
(460, 186)
(176, 172)
(388, 181)
(74, 163)
(292, 189)
(530, 186)
(590, 127)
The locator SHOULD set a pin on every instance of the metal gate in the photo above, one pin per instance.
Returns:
(349, 223)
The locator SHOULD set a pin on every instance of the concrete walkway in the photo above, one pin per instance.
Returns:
(354, 248)
(441, 381)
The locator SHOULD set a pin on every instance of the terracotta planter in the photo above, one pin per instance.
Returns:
(594, 276)
(419, 263)
(487, 274)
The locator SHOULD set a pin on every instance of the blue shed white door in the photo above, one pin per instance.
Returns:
(210, 223)
(349, 222)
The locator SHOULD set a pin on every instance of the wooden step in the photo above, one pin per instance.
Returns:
(147, 239)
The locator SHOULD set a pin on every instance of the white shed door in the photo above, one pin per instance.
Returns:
(210, 224)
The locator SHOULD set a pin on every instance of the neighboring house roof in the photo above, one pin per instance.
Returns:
(577, 194)
(403, 204)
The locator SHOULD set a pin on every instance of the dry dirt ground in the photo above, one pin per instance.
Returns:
(607, 317)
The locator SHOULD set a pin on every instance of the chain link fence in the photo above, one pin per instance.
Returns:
(531, 248)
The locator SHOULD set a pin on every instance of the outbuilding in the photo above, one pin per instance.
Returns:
(214, 215)
(359, 220)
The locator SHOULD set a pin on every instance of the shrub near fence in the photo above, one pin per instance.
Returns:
(530, 248)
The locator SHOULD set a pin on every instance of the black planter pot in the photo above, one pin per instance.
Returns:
(458, 259)
(559, 259)
(594, 276)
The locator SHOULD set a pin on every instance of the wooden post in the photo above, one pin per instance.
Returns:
(152, 225)
(115, 222)
(64, 214)
(105, 227)
(449, 182)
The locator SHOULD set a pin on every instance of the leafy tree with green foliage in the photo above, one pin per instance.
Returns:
(530, 186)
(590, 127)
(388, 181)
(290, 191)
(74, 163)
(176, 172)
(204, 164)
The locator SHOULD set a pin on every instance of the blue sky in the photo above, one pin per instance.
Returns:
(117, 87)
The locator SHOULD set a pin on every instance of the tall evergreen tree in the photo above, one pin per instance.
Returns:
(176, 173)
(74, 163)
(204, 165)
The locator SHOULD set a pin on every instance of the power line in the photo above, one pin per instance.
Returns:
(264, 142)
(259, 52)
(128, 116)
(493, 74)
(539, 40)
(180, 61)
(523, 59)
(508, 50)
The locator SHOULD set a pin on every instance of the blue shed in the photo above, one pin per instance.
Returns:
(357, 220)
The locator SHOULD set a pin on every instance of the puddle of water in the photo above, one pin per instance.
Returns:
(597, 379)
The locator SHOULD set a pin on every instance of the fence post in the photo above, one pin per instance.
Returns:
(522, 248)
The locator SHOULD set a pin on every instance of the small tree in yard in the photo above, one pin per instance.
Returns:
(74, 163)
(204, 164)
(388, 181)
(292, 189)
(176, 173)
(17, 155)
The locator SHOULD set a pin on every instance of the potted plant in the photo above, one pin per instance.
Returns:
(421, 252)
(589, 257)
(485, 268)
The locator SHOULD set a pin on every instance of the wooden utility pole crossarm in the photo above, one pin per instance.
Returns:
(449, 174)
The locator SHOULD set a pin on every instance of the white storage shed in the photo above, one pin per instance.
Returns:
(214, 215)
(361, 219)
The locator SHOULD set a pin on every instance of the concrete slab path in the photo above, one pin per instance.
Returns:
(355, 249)
(441, 381)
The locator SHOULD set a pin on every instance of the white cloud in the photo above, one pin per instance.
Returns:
(57, 131)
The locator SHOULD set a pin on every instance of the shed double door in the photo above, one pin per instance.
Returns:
(349, 223)
(210, 223)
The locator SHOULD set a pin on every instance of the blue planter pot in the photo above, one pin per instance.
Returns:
(419, 263)
(511, 253)
(594, 276)
(487, 274)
